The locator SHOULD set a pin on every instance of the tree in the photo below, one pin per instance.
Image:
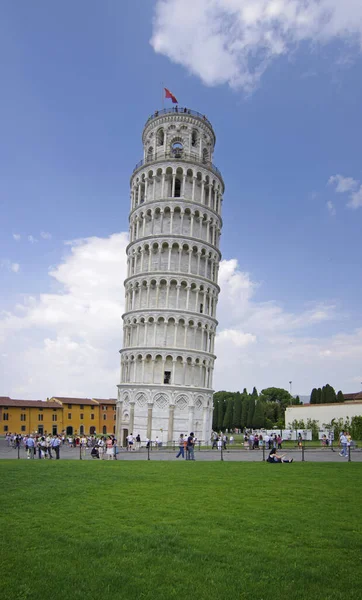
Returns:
(323, 395)
(228, 417)
(356, 428)
(340, 397)
(244, 411)
(313, 425)
(259, 416)
(319, 396)
(237, 411)
(314, 396)
(251, 410)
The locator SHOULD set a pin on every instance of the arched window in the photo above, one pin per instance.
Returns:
(150, 153)
(104, 417)
(160, 137)
(205, 155)
(104, 429)
(177, 148)
(194, 138)
(177, 187)
(81, 430)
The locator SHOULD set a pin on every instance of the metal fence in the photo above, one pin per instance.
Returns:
(169, 451)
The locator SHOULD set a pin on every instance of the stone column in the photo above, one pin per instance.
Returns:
(149, 421)
(205, 420)
(171, 415)
(191, 418)
(119, 417)
(131, 417)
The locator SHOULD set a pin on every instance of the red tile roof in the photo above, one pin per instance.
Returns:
(64, 400)
(355, 396)
(111, 401)
(6, 401)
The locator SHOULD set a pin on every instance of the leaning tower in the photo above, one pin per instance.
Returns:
(171, 289)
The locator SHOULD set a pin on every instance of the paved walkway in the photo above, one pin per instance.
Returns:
(232, 455)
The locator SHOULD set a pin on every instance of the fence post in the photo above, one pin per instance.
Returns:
(80, 451)
(303, 453)
(18, 450)
(222, 452)
(349, 453)
(148, 451)
(199, 445)
(115, 451)
(263, 453)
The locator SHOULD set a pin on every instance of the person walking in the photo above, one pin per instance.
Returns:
(110, 449)
(31, 446)
(56, 446)
(343, 440)
(190, 446)
(100, 446)
(181, 446)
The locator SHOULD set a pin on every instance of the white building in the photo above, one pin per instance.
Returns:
(323, 413)
(171, 289)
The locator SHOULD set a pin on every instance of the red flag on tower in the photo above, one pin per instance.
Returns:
(169, 95)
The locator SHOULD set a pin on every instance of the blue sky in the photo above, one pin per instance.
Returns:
(78, 82)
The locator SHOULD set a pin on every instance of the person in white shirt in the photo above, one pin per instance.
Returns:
(130, 442)
(343, 439)
(101, 445)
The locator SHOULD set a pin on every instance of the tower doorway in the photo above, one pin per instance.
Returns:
(124, 437)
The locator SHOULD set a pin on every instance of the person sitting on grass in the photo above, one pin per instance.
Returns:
(277, 458)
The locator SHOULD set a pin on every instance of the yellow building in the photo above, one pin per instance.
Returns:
(87, 416)
(30, 416)
(71, 416)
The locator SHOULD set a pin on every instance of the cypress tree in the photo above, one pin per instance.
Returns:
(251, 410)
(259, 415)
(228, 417)
(244, 411)
(340, 397)
(237, 411)
(314, 396)
(319, 396)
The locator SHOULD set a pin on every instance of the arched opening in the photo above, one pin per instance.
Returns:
(104, 428)
(205, 155)
(177, 148)
(160, 137)
(81, 430)
(92, 430)
(69, 430)
(177, 187)
(149, 153)
(194, 138)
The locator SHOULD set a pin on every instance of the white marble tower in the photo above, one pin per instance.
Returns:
(171, 289)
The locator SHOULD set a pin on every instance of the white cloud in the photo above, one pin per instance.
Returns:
(32, 239)
(331, 208)
(234, 41)
(16, 236)
(10, 266)
(343, 184)
(356, 199)
(67, 342)
(348, 185)
(46, 235)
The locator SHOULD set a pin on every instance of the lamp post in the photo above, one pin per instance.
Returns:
(290, 387)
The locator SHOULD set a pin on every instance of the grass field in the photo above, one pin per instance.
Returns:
(192, 530)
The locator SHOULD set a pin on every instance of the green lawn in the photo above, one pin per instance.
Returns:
(147, 530)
